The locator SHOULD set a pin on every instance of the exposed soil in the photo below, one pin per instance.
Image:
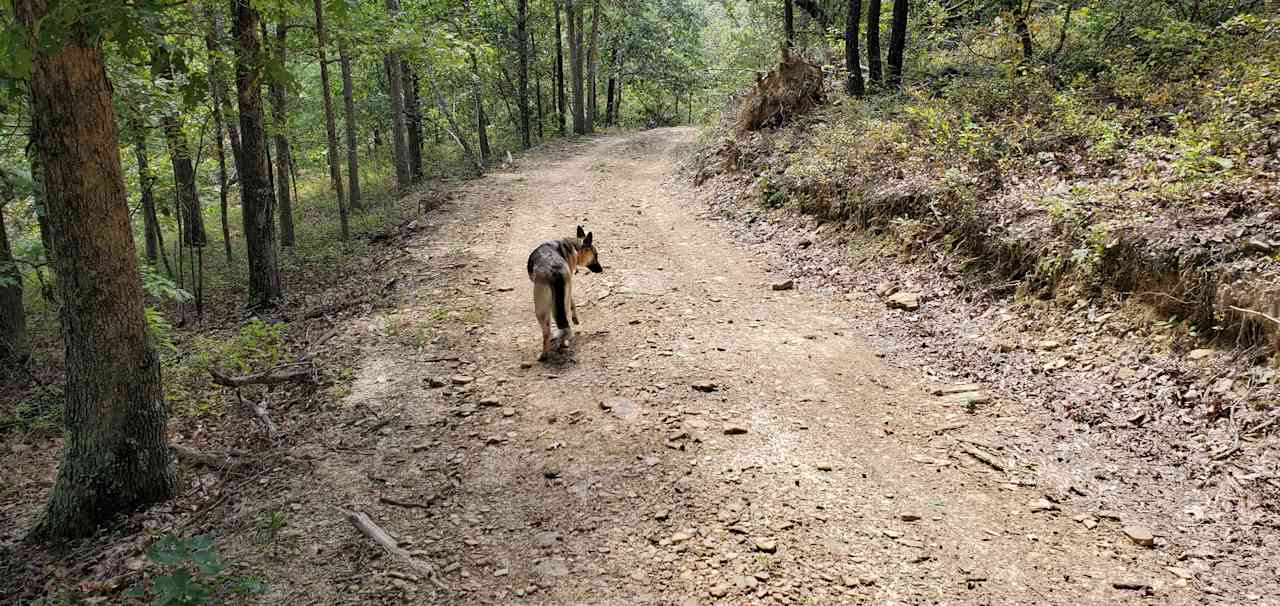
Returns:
(710, 439)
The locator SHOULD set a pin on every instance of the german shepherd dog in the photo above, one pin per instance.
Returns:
(551, 268)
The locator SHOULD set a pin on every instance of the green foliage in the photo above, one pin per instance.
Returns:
(193, 573)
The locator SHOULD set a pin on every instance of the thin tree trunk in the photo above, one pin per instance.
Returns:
(591, 66)
(610, 115)
(559, 75)
(453, 129)
(349, 106)
(873, 41)
(482, 130)
(399, 136)
(330, 127)
(853, 62)
(522, 34)
(575, 66)
(115, 455)
(897, 41)
(221, 116)
(537, 85)
(617, 105)
(184, 173)
(146, 183)
(14, 347)
(414, 121)
(216, 98)
(789, 22)
(255, 183)
(280, 116)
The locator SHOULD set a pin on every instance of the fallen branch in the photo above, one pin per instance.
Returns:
(375, 533)
(1256, 313)
(993, 462)
(212, 460)
(303, 374)
(408, 504)
(260, 411)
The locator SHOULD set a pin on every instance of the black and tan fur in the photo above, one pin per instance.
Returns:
(551, 268)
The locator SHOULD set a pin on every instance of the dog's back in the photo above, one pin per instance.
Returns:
(550, 272)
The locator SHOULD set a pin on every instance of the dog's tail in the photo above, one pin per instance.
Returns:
(557, 292)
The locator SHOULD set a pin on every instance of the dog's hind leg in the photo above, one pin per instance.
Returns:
(542, 304)
(573, 307)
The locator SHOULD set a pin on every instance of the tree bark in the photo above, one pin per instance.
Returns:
(115, 455)
(330, 127)
(184, 173)
(559, 76)
(413, 121)
(146, 183)
(537, 86)
(482, 121)
(853, 63)
(789, 22)
(280, 118)
(815, 11)
(219, 100)
(256, 197)
(522, 34)
(897, 42)
(349, 107)
(873, 40)
(399, 136)
(574, 18)
(453, 129)
(14, 347)
(591, 66)
(610, 116)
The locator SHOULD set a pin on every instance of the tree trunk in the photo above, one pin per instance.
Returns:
(399, 136)
(349, 105)
(610, 113)
(522, 34)
(852, 61)
(255, 183)
(537, 85)
(146, 183)
(280, 116)
(184, 173)
(617, 105)
(218, 97)
(574, 18)
(454, 131)
(897, 41)
(873, 40)
(115, 455)
(560, 109)
(482, 129)
(789, 22)
(14, 347)
(222, 170)
(330, 126)
(1024, 33)
(591, 66)
(413, 123)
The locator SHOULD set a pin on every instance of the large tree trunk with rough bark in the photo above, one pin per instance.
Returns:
(873, 41)
(413, 121)
(522, 34)
(854, 86)
(560, 109)
(789, 22)
(349, 108)
(256, 197)
(574, 17)
(284, 161)
(330, 125)
(184, 172)
(115, 454)
(897, 42)
(14, 347)
(399, 134)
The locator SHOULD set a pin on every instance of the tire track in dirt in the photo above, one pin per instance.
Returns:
(610, 479)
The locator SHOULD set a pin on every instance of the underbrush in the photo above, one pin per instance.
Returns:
(1131, 170)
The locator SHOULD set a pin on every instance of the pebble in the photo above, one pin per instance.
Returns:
(783, 285)
(721, 590)
(461, 379)
(551, 567)
(764, 544)
(1140, 535)
(733, 429)
(436, 382)
(1043, 505)
(909, 301)
(490, 401)
(1200, 354)
(909, 517)
(745, 582)
(508, 412)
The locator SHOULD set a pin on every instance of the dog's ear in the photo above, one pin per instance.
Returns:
(581, 233)
(586, 242)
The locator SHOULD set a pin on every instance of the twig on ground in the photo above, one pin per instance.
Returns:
(375, 533)
(276, 376)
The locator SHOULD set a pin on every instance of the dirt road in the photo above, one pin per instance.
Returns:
(712, 440)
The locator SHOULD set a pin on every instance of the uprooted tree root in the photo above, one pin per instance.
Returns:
(792, 88)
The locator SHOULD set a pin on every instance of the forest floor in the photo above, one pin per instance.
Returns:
(711, 439)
